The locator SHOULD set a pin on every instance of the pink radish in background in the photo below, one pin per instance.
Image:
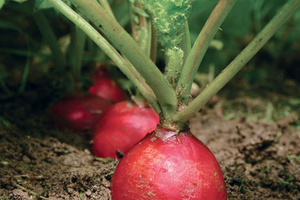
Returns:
(78, 113)
(121, 127)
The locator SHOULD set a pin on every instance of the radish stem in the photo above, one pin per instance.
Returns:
(186, 43)
(78, 39)
(25, 75)
(106, 6)
(50, 38)
(200, 47)
(153, 51)
(140, 29)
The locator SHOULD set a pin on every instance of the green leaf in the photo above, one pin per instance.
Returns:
(140, 12)
(168, 16)
(4, 121)
(2, 2)
(7, 25)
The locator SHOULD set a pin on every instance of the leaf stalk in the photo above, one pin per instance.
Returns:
(200, 47)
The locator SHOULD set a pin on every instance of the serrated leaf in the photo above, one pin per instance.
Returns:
(169, 16)
(140, 12)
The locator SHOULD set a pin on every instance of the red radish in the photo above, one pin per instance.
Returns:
(100, 72)
(121, 127)
(107, 89)
(104, 86)
(78, 113)
(168, 165)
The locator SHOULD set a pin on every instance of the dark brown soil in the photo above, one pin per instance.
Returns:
(259, 155)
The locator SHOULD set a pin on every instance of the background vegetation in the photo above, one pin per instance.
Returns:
(25, 55)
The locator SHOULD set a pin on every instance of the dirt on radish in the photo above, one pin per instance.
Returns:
(259, 158)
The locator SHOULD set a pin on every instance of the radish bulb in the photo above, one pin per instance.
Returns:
(78, 113)
(168, 165)
(100, 73)
(108, 89)
(121, 127)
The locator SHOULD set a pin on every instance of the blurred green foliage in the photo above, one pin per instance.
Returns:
(245, 20)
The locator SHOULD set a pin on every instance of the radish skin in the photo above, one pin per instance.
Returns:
(121, 127)
(166, 166)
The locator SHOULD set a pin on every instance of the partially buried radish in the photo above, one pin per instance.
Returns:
(121, 127)
(78, 113)
(167, 165)
(108, 89)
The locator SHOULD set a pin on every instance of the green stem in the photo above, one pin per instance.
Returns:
(125, 43)
(200, 47)
(91, 49)
(140, 29)
(138, 35)
(141, 32)
(26, 53)
(149, 41)
(25, 75)
(125, 67)
(175, 57)
(226, 75)
(185, 43)
(174, 62)
(106, 6)
(50, 38)
(78, 39)
(153, 38)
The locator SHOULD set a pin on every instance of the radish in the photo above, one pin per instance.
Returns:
(107, 89)
(104, 86)
(78, 113)
(121, 127)
(100, 72)
(168, 165)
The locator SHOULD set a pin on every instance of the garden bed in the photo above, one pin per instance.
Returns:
(260, 159)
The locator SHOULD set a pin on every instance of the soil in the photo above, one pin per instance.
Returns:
(257, 149)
